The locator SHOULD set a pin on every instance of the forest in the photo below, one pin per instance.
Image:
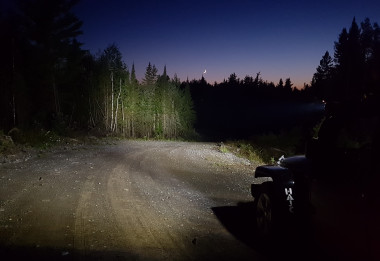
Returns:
(48, 82)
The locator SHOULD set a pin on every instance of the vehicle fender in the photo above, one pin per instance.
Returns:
(277, 173)
(279, 181)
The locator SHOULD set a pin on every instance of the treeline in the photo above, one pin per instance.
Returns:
(246, 90)
(353, 74)
(249, 108)
(242, 108)
(47, 81)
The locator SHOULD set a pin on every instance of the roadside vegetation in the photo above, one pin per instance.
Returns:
(267, 148)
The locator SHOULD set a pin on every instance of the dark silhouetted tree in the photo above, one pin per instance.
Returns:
(367, 39)
(257, 80)
(353, 75)
(288, 87)
(349, 64)
(280, 84)
(233, 80)
(50, 30)
(133, 75)
(13, 92)
(164, 77)
(370, 41)
(323, 77)
(248, 81)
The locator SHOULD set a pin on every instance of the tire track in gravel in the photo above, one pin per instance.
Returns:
(133, 200)
(144, 198)
(173, 214)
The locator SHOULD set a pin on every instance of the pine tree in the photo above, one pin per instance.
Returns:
(133, 75)
(257, 80)
(176, 81)
(341, 48)
(150, 75)
(50, 30)
(367, 39)
(233, 79)
(280, 84)
(324, 70)
(322, 78)
(164, 78)
(374, 70)
(349, 63)
(288, 87)
(351, 75)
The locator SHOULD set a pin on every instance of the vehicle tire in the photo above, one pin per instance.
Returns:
(264, 215)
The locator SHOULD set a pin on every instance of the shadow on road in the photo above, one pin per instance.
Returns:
(239, 221)
(288, 244)
(301, 241)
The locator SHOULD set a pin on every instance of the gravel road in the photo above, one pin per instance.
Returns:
(131, 200)
(150, 200)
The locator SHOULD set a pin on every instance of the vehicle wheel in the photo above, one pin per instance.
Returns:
(264, 218)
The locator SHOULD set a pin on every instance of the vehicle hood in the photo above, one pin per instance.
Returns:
(296, 163)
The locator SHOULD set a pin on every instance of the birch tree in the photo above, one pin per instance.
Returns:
(112, 62)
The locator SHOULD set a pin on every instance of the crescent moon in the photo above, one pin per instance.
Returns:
(205, 71)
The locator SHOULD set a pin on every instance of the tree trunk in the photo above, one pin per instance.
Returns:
(117, 109)
(56, 98)
(112, 120)
(123, 115)
(106, 109)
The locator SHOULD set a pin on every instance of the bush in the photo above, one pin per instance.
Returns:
(38, 138)
(6, 143)
(267, 148)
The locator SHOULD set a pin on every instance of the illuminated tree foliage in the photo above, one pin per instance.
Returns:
(150, 75)
(157, 108)
(165, 110)
(48, 82)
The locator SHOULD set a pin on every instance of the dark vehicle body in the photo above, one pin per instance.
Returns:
(333, 190)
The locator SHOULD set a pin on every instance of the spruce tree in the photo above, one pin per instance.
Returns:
(150, 75)
(288, 87)
(280, 84)
(323, 77)
(133, 75)
(349, 63)
(50, 30)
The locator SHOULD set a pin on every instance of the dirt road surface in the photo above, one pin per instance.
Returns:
(150, 200)
(131, 200)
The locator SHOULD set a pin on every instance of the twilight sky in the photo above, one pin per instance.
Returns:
(280, 39)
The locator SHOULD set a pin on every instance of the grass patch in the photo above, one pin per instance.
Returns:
(39, 139)
(246, 150)
(6, 144)
(223, 148)
(269, 147)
